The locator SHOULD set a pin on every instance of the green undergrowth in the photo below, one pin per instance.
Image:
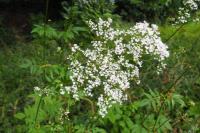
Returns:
(18, 75)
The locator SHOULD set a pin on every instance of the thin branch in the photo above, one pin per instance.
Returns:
(158, 114)
(44, 56)
(173, 34)
(38, 108)
(91, 104)
(163, 123)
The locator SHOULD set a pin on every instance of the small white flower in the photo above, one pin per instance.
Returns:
(59, 49)
(75, 48)
(36, 88)
(62, 91)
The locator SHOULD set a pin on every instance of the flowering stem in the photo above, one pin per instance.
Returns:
(44, 56)
(176, 81)
(173, 34)
(162, 104)
(158, 114)
(91, 103)
(38, 107)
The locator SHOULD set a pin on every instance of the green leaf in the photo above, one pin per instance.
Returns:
(137, 2)
(98, 130)
(138, 129)
(163, 123)
(128, 122)
(26, 63)
(75, 29)
(20, 116)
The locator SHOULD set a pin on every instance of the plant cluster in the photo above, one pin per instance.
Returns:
(116, 57)
(92, 72)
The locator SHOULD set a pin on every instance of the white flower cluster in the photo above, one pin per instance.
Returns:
(105, 70)
(191, 4)
(42, 91)
(184, 13)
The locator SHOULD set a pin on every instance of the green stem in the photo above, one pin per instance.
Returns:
(173, 34)
(158, 114)
(38, 108)
(91, 103)
(44, 56)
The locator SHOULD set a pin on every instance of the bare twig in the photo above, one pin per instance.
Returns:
(173, 34)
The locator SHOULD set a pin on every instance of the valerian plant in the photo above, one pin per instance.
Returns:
(104, 75)
(106, 71)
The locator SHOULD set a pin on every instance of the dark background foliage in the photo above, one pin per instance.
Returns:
(131, 10)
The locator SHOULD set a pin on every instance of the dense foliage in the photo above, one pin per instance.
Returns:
(93, 72)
